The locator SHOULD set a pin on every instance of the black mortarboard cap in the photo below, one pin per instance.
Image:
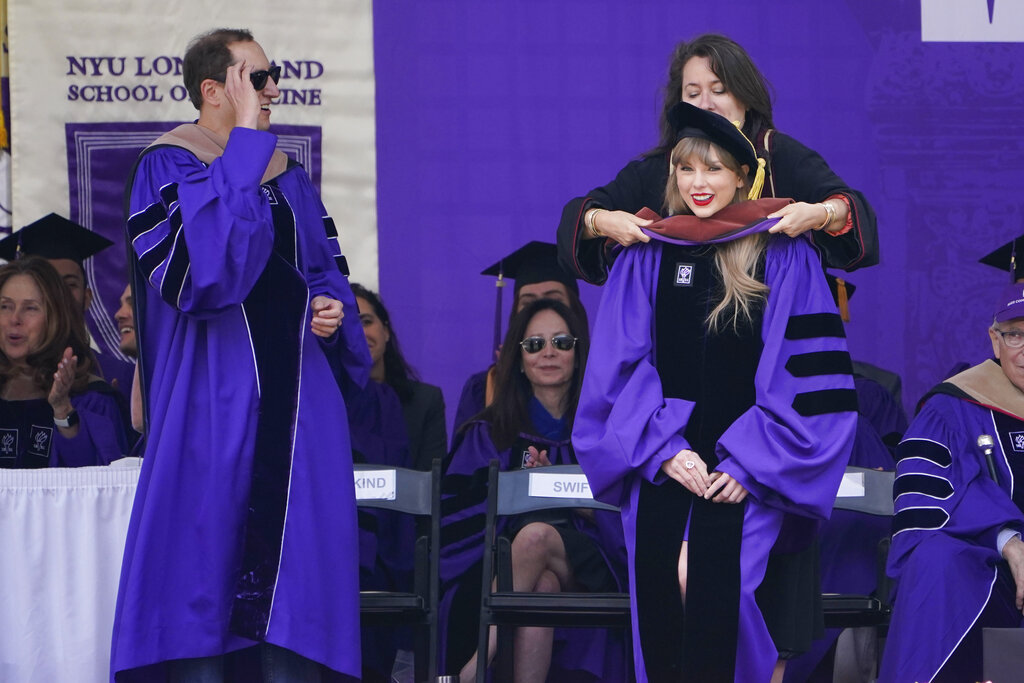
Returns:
(53, 237)
(532, 263)
(1008, 257)
(689, 121)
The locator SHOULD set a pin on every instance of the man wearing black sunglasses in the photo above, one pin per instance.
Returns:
(240, 535)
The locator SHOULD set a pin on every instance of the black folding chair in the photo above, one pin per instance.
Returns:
(870, 493)
(509, 493)
(416, 493)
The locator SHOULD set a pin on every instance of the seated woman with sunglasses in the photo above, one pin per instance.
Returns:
(720, 402)
(538, 374)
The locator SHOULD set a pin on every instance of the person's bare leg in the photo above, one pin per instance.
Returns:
(539, 565)
(536, 550)
(682, 572)
(779, 672)
(468, 673)
(533, 644)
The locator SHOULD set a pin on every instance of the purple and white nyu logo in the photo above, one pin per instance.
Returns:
(972, 21)
(1017, 441)
(684, 274)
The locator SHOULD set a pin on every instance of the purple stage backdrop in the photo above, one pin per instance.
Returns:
(491, 115)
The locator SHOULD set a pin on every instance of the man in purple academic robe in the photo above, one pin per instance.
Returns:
(244, 522)
(956, 555)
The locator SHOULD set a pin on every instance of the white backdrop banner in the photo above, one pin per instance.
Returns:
(92, 84)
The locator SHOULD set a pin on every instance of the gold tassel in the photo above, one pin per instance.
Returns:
(490, 387)
(843, 299)
(755, 189)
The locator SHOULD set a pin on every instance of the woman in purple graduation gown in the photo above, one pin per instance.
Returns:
(539, 372)
(719, 400)
(53, 411)
(398, 421)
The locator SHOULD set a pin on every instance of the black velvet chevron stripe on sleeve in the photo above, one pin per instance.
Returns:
(811, 325)
(459, 491)
(927, 450)
(923, 484)
(159, 241)
(825, 401)
(332, 237)
(919, 518)
(820, 363)
(453, 532)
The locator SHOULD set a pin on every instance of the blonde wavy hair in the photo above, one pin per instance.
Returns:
(736, 260)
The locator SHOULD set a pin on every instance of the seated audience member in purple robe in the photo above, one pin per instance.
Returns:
(395, 420)
(849, 548)
(534, 269)
(539, 372)
(66, 245)
(242, 530)
(849, 540)
(54, 412)
(422, 404)
(718, 404)
(957, 555)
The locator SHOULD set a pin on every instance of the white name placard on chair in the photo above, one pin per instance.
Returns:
(852, 485)
(375, 484)
(552, 485)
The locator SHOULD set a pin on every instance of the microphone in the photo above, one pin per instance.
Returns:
(986, 444)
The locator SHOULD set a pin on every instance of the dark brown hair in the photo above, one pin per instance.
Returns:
(65, 326)
(734, 67)
(509, 415)
(398, 374)
(209, 56)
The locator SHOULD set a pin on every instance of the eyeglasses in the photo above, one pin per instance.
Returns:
(1014, 339)
(562, 342)
(259, 78)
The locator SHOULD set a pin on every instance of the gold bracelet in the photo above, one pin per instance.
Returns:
(588, 221)
(830, 215)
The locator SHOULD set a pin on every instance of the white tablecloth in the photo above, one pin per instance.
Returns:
(62, 535)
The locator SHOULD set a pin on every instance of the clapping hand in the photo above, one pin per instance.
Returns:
(59, 397)
(536, 458)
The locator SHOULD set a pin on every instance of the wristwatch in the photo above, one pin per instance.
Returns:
(70, 421)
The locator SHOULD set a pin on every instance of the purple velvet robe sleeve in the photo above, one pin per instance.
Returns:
(948, 512)
(204, 237)
(100, 439)
(624, 423)
(346, 349)
(784, 456)
(464, 501)
(943, 484)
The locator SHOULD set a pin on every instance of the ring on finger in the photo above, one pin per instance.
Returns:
(689, 464)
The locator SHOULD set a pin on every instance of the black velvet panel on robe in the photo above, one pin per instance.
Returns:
(716, 372)
(276, 313)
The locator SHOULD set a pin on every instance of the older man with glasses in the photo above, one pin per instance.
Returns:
(956, 551)
(242, 529)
